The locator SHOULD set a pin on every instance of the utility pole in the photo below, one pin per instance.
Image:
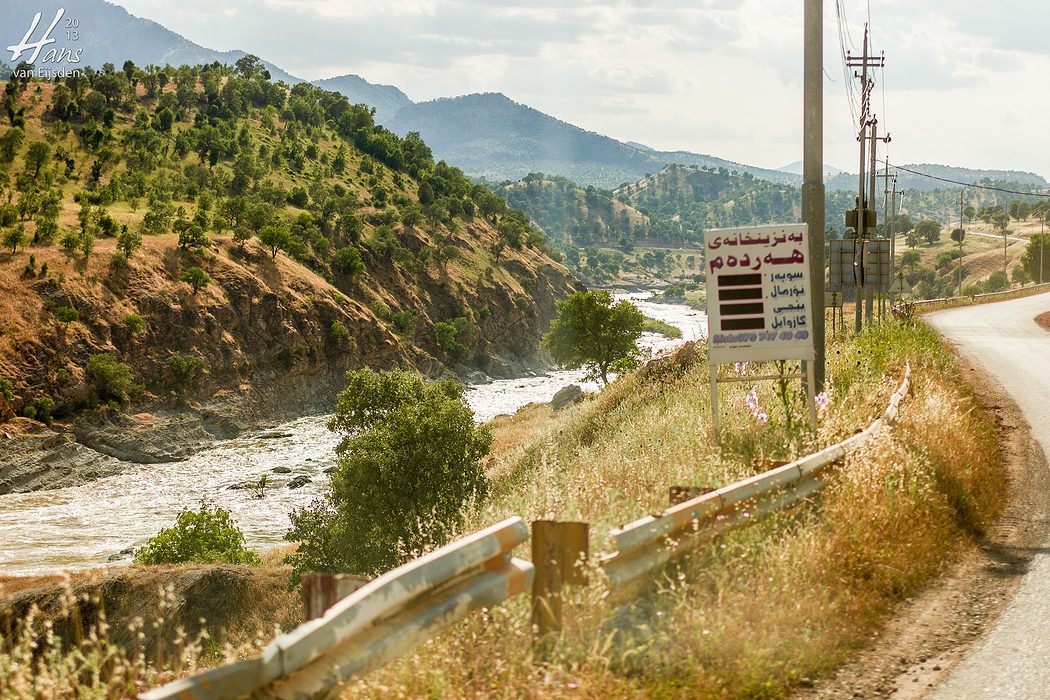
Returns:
(893, 234)
(1042, 240)
(869, 226)
(863, 216)
(813, 174)
(958, 267)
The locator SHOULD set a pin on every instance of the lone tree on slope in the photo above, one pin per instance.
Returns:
(593, 332)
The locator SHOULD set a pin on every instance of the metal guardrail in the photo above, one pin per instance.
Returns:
(975, 297)
(406, 606)
(374, 624)
(653, 541)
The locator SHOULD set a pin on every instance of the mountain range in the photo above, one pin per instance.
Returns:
(488, 136)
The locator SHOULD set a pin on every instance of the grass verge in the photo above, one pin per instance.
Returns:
(764, 608)
(748, 617)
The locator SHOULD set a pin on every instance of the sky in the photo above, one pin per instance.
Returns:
(964, 82)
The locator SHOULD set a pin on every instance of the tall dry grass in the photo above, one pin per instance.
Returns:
(749, 616)
(761, 609)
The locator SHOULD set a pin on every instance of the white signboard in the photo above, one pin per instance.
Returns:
(758, 294)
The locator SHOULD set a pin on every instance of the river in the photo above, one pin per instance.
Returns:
(83, 526)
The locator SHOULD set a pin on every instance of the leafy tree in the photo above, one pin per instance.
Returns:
(910, 259)
(1019, 209)
(349, 261)
(409, 463)
(110, 379)
(958, 235)
(591, 331)
(128, 241)
(996, 282)
(196, 278)
(36, 156)
(200, 537)
(1036, 254)
(193, 236)
(1019, 276)
(276, 237)
(87, 243)
(969, 212)
(10, 143)
(15, 238)
(929, 230)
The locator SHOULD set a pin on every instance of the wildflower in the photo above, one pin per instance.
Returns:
(752, 405)
(821, 400)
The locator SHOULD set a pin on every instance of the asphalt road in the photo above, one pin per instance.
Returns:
(1012, 660)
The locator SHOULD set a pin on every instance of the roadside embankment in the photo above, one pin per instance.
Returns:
(766, 609)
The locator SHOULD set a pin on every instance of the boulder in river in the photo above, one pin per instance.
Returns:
(567, 396)
(282, 470)
(299, 482)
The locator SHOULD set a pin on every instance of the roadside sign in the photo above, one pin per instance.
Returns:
(758, 294)
(758, 303)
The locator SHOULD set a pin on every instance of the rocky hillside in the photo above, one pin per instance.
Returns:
(193, 235)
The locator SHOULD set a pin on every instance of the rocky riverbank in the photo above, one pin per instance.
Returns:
(102, 443)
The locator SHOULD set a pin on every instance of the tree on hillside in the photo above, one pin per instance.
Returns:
(1019, 209)
(910, 259)
(969, 212)
(128, 241)
(591, 331)
(1036, 254)
(36, 156)
(10, 143)
(958, 235)
(276, 237)
(15, 238)
(410, 462)
(196, 278)
(929, 230)
(192, 236)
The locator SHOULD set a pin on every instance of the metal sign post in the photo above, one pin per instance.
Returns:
(759, 303)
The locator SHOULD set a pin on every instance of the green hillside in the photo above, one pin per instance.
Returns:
(206, 212)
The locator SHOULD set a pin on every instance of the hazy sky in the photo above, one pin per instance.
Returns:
(965, 82)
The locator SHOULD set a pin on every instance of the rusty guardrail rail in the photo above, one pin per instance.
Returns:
(374, 624)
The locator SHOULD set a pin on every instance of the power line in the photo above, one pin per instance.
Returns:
(965, 184)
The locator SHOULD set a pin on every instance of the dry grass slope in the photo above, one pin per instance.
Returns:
(766, 608)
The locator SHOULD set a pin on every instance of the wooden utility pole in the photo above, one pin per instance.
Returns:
(813, 174)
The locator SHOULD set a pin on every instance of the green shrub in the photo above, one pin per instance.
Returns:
(404, 321)
(111, 380)
(349, 261)
(200, 537)
(196, 278)
(64, 314)
(44, 406)
(409, 463)
(380, 309)
(186, 368)
(134, 324)
(338, 332)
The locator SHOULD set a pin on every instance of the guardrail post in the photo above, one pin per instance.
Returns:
(681, 494)
(557, 550)
(321, 591)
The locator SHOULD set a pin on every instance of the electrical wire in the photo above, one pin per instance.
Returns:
(964, 184)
